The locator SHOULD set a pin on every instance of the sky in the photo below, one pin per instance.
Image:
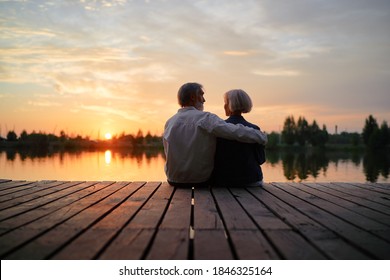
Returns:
(96, 67)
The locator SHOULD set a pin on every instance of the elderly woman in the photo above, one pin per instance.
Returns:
(238, 164)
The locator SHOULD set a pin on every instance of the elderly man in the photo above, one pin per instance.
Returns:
(190, 138)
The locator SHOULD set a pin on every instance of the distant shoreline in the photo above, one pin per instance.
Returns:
(120, 145)
(75, 145)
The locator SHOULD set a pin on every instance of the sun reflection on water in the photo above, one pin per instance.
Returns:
(107, 157)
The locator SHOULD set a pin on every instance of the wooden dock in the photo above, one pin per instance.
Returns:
(152, 220)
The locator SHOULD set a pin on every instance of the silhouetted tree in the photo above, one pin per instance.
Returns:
(324, 135)
(345, 138)
(273, 140)
(289, 131)
(375, 139)
(63, 136)
(23, 136)
(355, 138)
(369, 129)
(139, 138)
(11, 136)
(315, 134)
(302, 133)
(148, 137)
(385, 134)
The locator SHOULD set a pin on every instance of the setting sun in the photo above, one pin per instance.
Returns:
(108, 136)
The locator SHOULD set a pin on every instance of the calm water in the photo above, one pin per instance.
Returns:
(147, 165)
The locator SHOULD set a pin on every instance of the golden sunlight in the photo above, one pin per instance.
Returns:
(108, 136)
(107, 156)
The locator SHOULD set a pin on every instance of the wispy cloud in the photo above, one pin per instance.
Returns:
(99, 72)
(67, 55)
(93, 5)
(13, 32)
(107, 111)
(277, 73)
(43, 104)
(236, 53)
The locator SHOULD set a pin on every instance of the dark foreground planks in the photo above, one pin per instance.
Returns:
(152, 220)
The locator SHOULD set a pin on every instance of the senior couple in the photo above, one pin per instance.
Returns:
(203, 150)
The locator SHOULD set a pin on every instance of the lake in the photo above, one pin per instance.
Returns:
(148, 165)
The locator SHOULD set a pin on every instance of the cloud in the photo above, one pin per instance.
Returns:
(236, 53)
(13, 32)
(43, 104)
(110, 111)
(277, 73)
(94, 5)
(52, 54)
(98, 72)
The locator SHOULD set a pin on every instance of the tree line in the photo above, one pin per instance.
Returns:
(302, 133)
(43, 140)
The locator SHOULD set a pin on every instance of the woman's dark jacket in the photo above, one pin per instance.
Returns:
(236, 163)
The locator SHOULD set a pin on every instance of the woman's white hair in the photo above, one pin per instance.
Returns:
(239, 101)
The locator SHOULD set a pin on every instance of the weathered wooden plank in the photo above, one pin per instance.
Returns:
(381, 185)
(380, 230)
(330, 244)
(272, 226)
(376, 187)
(33, 188)
(22, 235)
(258, 211)
(170, 244)
(178, 215)
(233, 215)
(360, 238)
(150, 214)
(133, 241)
(210, 241)
(45, 245)
(206, 215)
(172, 237)
(93, 240)
(370, 187)
(211, 244)
(30, 189)
(362, 200)
(353, 190)
(40, 190)
(248, 241)
(252, 245)
(15, 186)
(4, 180)
(39, 201)
(131, 244)
(85, 189)
(265, 220)
(353, 203)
